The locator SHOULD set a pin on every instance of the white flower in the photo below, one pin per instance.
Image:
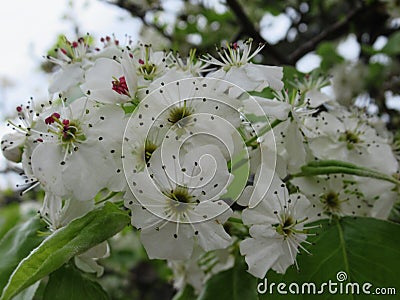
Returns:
(58, 212)
(169, 75)
(348, 138)
(72, 59)
(200, 267)
(291, 146)
(188, 108)
(236, 68)
(346, 81)
(277, 230)
(12, 146)
(177, 202)
(309, 87)
(17, 146)
(270, 107)
(106, 82)
(382, 195)
(79, 149)
(149, 65)
(87, 261)
(191, 65)
(67, 79)
(335, 195)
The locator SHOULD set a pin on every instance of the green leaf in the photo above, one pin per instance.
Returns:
(330, 58)
(392, 47)
(366, 249)
(69, 283)
(291, 74)
(232, 284)
(16, 245)
(74, 239)
(9, 217)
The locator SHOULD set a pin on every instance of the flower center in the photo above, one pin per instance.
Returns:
(68, 132)
(331, 201)
(178, 115)
(350, 138)
(148, 70)
(285, 228)
(180, 199)
(149, 148)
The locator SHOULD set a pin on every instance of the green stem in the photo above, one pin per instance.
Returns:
(108, 197)
(235, 220)
(326, 167)
(263, 131)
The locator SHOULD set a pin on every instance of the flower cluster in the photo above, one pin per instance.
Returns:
(178, 140)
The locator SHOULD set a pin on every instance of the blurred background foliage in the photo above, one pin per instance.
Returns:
(311, 34)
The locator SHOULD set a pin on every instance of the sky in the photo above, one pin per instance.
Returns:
(29, 28)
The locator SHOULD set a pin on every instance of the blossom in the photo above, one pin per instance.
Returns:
(200, 267)
(190, 64)
(277, 230)
(58, 212)
(335, 195)
(77, 147)
(177, 202)
(87, 261)
(188, 108)
(235, 67)
(12, 146)
(148, 64)
(169, 133)
(106, 82)
(71, 58)
(346, 137)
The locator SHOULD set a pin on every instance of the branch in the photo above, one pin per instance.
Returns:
(325, 34)
(11, 169)
(137, 11)
(249, 29)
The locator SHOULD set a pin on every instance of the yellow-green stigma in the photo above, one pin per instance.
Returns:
(180, 198)
(331, 201)
(178, 115)
(149, 148)
(350, 138)
(286, 227)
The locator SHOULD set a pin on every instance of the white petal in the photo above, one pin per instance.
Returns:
(65, 78)
(162, 243)
(212, 236)
(261, 253)
(47, 168)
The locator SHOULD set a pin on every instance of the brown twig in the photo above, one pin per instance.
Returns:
(248, 28)
(137, 11)
(324, 35)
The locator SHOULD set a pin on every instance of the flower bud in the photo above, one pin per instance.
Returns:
(12, 146)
